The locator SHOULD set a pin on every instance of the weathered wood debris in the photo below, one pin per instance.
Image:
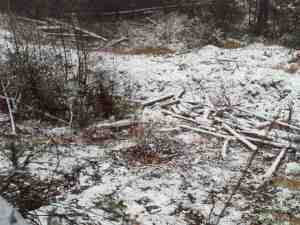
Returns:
(233, 124)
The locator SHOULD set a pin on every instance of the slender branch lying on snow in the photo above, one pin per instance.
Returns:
(117, 124)
(115, 42)
(200, 130)
(239, 137)
(160, 99)
(188, 120)
(281, 123)
(273, 168)
(225, 148)
(94, 35)
(12, 121)
(174, 102)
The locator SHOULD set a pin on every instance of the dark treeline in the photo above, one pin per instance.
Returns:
(39, 8)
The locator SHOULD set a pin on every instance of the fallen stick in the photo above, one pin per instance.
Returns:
(275, 164)
(174, 102)
(115, 42)
(161, 99)
(270, 143)
(240, 137)
(199, 130)
(78, 29)
(271, 120)
(50, 27)
(32, 20)
(117, 124)
(3, 97)
(47, 114)
(65, 35)
(150, 20)
(187, 119)
(255, 140)
(181, 93)
(153, 9)
(12, 121)
(273, 168)
(225, 148)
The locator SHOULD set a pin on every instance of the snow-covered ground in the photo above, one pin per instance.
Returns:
(248, 76)
(100, 185)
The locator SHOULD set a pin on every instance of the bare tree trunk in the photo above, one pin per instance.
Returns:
(262, 14)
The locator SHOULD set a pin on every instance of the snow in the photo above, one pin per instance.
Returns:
(9, 215)
(248, 75)
(153, 194)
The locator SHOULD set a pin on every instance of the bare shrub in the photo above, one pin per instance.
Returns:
(152, 147)
(53, 79)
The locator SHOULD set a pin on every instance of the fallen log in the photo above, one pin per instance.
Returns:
(160, 99)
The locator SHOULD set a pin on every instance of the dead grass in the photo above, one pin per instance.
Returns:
(232, 44)
(153, 51)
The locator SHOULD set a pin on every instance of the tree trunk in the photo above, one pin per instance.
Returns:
(263, 9)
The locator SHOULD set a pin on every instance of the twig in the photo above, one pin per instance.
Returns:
(160, 99)
(273, 168)
(237, 186)
(200, 130)
(48, 27)
(240, 137)
(12, 121)
(181, 93)
(225, 148)
(244, 172)
(174, 102)
(270, 143)
(117, 124)
(115, 42)
(47, 114)
(270, 120)
(32, 20)
(78, 29)
(151, 20)
(167, 112)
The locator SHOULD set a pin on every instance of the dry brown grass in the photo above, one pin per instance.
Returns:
(154, 51)
(232, 44)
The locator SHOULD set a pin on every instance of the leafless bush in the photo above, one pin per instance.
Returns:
(152, 146)
(54, 78)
